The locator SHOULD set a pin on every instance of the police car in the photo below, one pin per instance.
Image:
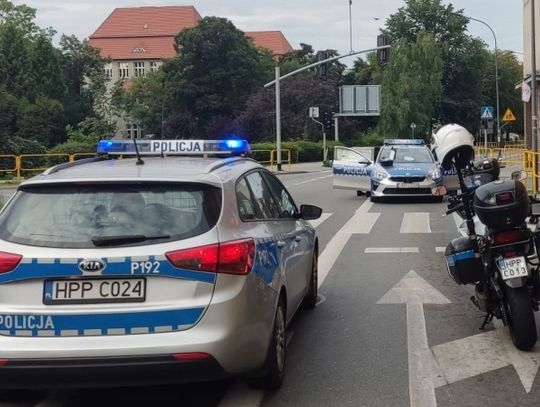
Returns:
(402, 168)
(152, 269)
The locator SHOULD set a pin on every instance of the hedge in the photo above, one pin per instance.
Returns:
(301, 150)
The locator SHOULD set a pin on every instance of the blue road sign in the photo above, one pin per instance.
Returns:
(486, 113)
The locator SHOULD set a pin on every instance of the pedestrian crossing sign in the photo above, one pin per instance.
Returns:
(509, 116)
(486, 113)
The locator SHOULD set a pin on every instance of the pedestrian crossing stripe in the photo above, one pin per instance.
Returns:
(509, 116)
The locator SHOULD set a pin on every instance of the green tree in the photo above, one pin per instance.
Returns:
(82, 68)
(216, 70)
(411, 86)
(464, 56)
(45, 66)
(42, 121)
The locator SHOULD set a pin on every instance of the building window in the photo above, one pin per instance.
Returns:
(133, 131)
(123, 70)
(108, 71)
(139, 69)
(154, 65)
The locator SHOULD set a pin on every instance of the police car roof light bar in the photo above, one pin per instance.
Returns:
(173, 147)
(411, 142)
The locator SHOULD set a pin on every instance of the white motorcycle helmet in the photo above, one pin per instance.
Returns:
(452, 143)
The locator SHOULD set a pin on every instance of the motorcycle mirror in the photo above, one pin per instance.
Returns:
(519, 175)
(441, 190)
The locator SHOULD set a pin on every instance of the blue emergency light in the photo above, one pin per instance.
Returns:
(410, 142)
(173, 147)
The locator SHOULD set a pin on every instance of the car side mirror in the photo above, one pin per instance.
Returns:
(310, 212)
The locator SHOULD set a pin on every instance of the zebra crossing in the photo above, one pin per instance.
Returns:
(411, 223)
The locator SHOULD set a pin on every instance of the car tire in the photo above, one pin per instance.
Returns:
(272, 373)
(360, 193)
(311, 298)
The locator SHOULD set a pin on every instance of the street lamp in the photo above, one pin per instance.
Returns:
(496, 72)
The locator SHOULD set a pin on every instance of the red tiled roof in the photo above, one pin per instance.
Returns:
(147, 22)
(272, 40)
(135, 48)
(149, 33)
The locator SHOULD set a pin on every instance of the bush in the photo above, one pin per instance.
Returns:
(301, 150)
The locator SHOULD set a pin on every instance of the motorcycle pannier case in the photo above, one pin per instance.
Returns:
(502, 204)
(464, 265)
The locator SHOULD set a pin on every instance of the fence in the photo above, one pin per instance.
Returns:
(18, 165)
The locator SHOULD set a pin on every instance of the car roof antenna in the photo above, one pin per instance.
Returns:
(139, 159)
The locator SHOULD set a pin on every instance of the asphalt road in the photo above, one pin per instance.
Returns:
(387, 309)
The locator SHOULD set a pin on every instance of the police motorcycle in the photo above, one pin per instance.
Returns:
(501, 261)
(476, 174)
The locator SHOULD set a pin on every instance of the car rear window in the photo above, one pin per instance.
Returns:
(78, 216)
(405, 155)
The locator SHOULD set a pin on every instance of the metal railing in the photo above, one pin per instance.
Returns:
(30, 163)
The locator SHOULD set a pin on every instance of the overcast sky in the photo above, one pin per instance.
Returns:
(321, 23)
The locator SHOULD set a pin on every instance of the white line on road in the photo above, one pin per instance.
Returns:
(317, 222)
(361, 222)
(392, 250)
(440, 249)
(415, 223)
(414, 291)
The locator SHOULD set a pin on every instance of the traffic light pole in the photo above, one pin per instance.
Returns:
(277, 84)
(323, 137)
(278, 117)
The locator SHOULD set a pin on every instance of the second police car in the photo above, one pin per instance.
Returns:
(152, 269)
(403, 167)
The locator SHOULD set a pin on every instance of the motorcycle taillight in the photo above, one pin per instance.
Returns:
(508, 237)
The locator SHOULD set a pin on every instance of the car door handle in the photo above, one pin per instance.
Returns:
(280, 244)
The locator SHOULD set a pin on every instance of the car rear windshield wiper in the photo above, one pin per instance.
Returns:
(125, 239)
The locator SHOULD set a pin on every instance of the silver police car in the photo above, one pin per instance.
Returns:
(152, 269)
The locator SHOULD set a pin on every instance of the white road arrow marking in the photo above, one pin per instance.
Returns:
(482, 353)
(414, 291)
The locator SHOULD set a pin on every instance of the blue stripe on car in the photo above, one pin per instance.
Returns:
(98, 324)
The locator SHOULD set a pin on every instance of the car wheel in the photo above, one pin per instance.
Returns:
(360, 193)
(274, 366)
(311, 298)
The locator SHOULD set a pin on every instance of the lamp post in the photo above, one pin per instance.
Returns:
(277, 83)
(496, 73)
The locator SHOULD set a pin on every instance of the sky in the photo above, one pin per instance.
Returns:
(321, 23)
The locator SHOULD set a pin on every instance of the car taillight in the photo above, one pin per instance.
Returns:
(8, 261)
(191, 356)
(506, 237)
(236, 257)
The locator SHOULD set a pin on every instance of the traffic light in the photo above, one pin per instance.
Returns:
(322, 69)
(327, 118)
(383, 55)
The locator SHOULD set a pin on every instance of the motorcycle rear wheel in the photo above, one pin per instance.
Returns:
(521, 317)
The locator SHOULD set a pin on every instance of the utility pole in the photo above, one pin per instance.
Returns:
(350, 26)
(534, 112)
(278, 117)
(496, 72)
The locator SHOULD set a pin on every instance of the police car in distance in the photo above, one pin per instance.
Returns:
(402, 168)
(155, 269)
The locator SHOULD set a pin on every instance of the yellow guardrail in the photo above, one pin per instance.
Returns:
(273, 158)
(18, 164)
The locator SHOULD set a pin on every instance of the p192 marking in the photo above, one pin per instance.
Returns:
(145, 267)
